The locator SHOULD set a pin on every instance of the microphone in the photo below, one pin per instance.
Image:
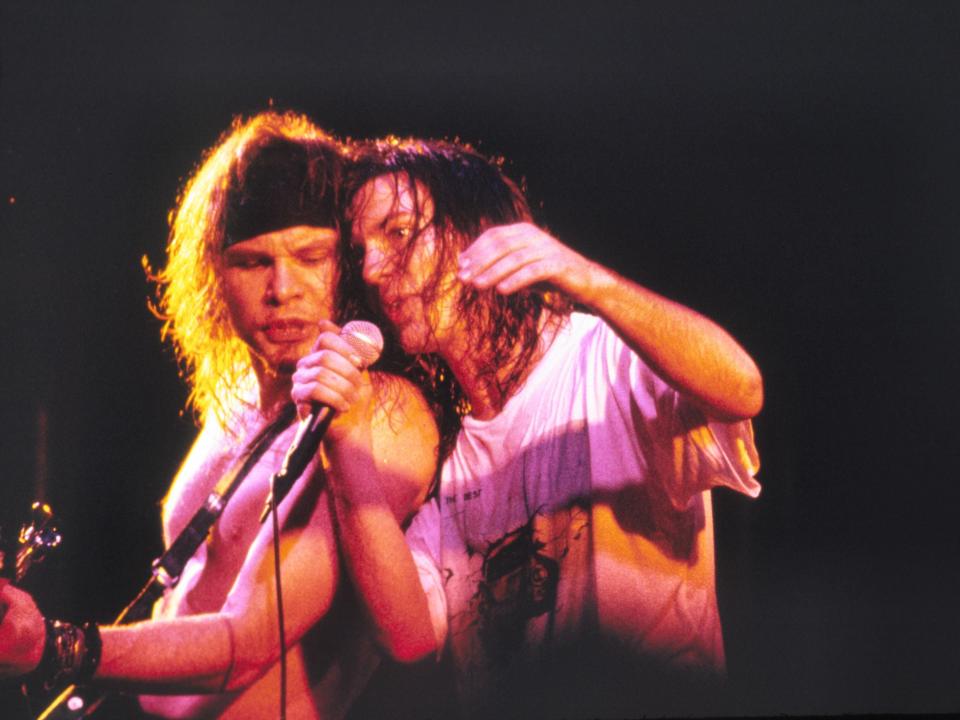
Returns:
(366, 341)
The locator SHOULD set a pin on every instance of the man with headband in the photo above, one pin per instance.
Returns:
(252, 282)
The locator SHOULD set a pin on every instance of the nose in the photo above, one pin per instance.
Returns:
(374, 261)
(284, 283)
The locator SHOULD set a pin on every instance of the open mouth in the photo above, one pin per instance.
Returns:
(287, 332)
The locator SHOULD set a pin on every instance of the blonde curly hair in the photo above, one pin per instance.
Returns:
(215, 363)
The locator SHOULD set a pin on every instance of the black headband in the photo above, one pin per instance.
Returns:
(283, 185)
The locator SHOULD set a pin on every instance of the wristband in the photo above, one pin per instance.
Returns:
(71, 654)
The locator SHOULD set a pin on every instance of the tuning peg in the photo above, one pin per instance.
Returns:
(36, 538)
(40, 516)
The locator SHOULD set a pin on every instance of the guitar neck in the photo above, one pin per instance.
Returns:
(73, 703)
(36, 539)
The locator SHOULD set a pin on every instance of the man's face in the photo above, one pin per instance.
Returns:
(278, 286)
(386, 216)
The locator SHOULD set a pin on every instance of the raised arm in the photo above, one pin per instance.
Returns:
(690, 352)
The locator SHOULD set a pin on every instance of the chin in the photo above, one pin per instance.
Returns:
(414, 340)
(285, 362)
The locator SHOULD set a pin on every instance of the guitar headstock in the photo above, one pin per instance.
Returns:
(37, 537)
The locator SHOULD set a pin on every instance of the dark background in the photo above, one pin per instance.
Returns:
(790, 169)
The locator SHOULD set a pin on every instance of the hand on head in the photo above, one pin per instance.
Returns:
(514, 257)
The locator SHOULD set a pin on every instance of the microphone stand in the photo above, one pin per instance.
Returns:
(80, 701)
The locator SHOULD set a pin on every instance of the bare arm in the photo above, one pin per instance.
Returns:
(382, 458)
(224, 650)
(368, 521)
(692, 353)
(393, 426)
(229, 649)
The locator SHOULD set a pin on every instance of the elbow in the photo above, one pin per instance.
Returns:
(246, 669)
(408, 647)
(253, 649)
(742, 401)
(752, 395)
(251, 660)
(410, 651)
(252, 630)
(407, 635)
(747, 401)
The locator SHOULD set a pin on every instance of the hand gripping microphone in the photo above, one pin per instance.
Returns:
(367, 342)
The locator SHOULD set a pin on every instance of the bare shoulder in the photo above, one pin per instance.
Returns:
(401, 406)
(406, 442)
(210, 455)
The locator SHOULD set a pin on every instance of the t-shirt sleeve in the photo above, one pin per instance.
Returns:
(677, 445)
(712, 453)
(423, 538)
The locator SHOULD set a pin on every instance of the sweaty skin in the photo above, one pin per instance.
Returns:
(687, 350)
(212, 648)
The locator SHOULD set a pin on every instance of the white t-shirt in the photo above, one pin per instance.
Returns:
(579, 518)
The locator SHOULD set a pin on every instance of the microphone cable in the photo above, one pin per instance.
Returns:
(280, 618)
(367, 341)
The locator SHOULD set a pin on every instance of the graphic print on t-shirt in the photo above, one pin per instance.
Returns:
(518, 580)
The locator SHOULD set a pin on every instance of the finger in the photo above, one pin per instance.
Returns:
(506, 266)
(307, 398)
(336, 343)
(339, 378)
(491, 245)
(324, 326)
(329, 326)
(327, 390)
(343, 361)
(523, 277)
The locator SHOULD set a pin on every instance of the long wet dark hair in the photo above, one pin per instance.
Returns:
(469, 193)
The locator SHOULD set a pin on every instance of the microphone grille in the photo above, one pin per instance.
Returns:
(365, 339)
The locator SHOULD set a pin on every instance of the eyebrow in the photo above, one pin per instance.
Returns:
(239, 249)
(399, 213)
(379, 224)
(298, 245)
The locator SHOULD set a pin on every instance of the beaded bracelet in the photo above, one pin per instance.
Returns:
(71, 654)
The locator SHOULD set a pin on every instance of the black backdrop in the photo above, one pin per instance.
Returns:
(790, 169)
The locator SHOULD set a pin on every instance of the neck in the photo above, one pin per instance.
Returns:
(274, 389)
(471, 364)
(481, 389)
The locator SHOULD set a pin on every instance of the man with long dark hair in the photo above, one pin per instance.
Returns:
(252, 281)
(567, 561)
